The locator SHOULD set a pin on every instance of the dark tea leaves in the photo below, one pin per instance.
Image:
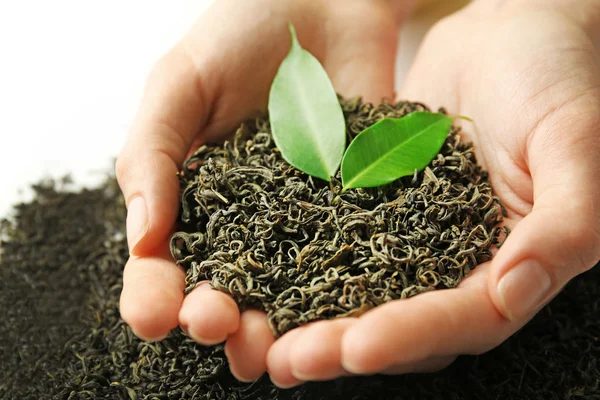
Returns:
(62, 336)
(277, 239)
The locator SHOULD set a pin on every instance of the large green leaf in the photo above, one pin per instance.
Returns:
(393, 148)
(306, 118)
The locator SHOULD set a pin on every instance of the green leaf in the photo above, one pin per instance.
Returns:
(393, 148)
(306, 117)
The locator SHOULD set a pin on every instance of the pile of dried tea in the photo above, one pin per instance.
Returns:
(61, 336)
(48, 250)
(279, 240)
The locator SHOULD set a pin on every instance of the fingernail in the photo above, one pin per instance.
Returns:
(523, 289)
(300, 375)
(352, 367)
(137, 221)
(204, 341)
(235, 374)
(184, 330)
(242, 378)
(281, 385)
(149, 338)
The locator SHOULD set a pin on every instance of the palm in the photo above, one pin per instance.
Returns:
(513, 82)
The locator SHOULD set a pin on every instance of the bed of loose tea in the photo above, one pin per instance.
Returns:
(61, 336)
(279, 240)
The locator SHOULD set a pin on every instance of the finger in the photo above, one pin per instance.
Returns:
(278, 363)
(208, 316)
(366, 67)
(434, 324)
(190, 91)
(560, 238)
(433, 364)
(247, 348)
(198, 87)
(315, 354)
(170, 115)
(171, 112)
(153, 295)
(422, 82)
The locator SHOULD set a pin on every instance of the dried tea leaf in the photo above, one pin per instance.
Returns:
(306, 117)
(393, 148)
(294, 247)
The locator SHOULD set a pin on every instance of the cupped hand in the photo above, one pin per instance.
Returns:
(218, 75)
(528, 73)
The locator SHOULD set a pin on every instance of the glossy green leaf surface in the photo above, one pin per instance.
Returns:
(393, 148)
(306, 118)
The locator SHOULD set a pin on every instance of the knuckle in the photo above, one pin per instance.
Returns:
(590, 253)
(122, 169)
(162, 66)
(167, 69)
(582, 241)
(175, 62)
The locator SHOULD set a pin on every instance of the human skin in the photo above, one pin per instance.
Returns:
(526, 71)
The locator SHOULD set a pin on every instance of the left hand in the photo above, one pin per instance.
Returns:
(528, 73)
(215, 77)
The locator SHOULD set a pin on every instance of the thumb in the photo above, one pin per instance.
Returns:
(171, 114)
(560, 238)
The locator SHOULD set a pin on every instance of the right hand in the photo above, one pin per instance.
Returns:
(217, 76)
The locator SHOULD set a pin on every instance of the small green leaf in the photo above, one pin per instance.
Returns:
(393, 148)
(306, 117)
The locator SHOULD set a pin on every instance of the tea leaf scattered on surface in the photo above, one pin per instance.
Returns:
(393, 148)
(306, 117)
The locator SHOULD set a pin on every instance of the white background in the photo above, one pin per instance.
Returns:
(72, 73)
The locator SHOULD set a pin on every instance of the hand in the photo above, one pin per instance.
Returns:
(528, 73)
(218, 75)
